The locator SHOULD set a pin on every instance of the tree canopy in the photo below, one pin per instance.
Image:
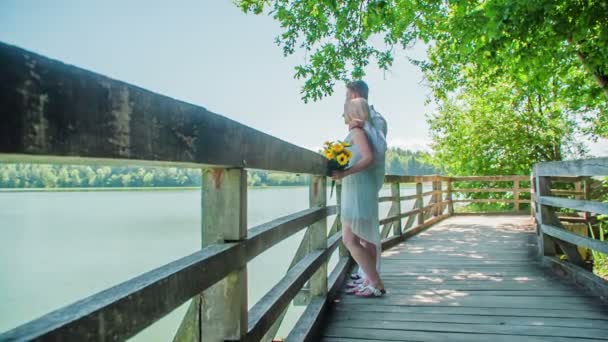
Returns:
(513, 77)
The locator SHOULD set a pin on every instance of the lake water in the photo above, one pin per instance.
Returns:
(58, 247)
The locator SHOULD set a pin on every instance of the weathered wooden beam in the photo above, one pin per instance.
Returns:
(596, 285)
(388, 222)
(122, 311)
(48, 108)
(190, 329)
(419, 203)
(266, 235)
(546, 216)
(449, 198)
(574, 168)
(308, 327)
(343, 251)
(556, 192)
(318, 234)
(496, 213)
(411, 218)
(489, 178)
(391, 242)
(483, 190)
(409, 179)
(430, 192)
(439, 194)
(489, 200)
(264, 313)
(575, 239)
(224, 218)
(413, 231)
(396, 192)
(580, 205)
(394, 198)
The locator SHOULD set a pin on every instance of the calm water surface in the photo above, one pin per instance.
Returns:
(58, 247)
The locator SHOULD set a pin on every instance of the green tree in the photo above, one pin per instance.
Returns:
(534, 43)
(499, 131)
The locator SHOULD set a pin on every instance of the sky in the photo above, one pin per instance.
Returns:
(209, 53)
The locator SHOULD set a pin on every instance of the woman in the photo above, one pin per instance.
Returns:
(361, 182)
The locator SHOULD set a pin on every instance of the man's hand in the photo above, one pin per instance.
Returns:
(355, 123)
(338, 175)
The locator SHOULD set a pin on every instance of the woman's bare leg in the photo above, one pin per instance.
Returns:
(361, 256)
(371, 249)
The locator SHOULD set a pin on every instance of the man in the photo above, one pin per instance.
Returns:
(357, 89)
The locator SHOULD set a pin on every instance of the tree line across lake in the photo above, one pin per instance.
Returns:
(13, 176)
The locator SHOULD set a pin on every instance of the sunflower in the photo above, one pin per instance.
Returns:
(342, 159)
(348, 153)
(338, 148)
(329, 154)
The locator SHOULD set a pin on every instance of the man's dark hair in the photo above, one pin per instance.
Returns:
(358, 87)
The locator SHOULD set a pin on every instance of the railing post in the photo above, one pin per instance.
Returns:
(440, 206)
(449, 198)
(582, 185)
(224, 219)
(546, 245)
(420, 203)
(434, 198)
(516, 195)
(318, 234)
(341, 248)
(396, 194)
(587, 196)
(533, 197)
(546, 215)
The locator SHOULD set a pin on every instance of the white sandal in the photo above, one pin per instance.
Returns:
(368, 291)
(355, 283)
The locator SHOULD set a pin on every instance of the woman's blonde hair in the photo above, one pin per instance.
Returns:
(356, 109)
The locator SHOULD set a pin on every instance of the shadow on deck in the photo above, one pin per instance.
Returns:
(470, 278)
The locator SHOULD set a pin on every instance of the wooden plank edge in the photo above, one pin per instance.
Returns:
(580, 276)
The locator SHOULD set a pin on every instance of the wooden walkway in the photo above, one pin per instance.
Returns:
(470, 278)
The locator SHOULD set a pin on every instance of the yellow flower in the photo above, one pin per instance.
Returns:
(348, 153)
(342, 159)
(338, 148)
(329, 155)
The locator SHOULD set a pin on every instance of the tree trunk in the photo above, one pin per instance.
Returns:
(601, 79)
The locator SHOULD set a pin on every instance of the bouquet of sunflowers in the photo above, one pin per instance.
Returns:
(338, 156)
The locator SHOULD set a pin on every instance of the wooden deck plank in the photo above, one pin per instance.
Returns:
(435, 336)
(476, 319)
(470, 278)
(503, 329)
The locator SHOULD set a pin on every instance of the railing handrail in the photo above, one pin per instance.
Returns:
(57, 113)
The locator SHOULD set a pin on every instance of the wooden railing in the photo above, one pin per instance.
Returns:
(54, 113)
(553, 238)
(487, 185)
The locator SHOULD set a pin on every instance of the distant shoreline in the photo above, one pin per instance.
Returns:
(160, 188)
